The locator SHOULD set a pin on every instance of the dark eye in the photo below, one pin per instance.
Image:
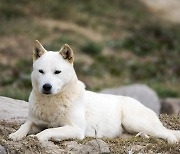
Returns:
(41, 71)
(57, 72)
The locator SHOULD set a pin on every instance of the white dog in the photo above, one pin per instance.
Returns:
(60, 107)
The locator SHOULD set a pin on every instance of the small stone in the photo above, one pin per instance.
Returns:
(73, 146)
(96, 146)
(51, 148)
(135, 148)
(2, 150)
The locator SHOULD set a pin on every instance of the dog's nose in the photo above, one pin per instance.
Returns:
(47, 87)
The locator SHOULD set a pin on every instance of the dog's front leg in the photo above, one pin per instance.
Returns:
(61, 133)
(22, 131)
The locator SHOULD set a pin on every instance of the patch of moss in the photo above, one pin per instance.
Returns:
(16, 92)
(92, 48)
(159, 39)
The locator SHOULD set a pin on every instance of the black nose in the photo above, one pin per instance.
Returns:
(47, 87)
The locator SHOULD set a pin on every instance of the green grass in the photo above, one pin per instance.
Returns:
(164, 92)
(91, 48)
(23, 27)
(16, 93)
(152, 39)
(67, 37)
(11, 9)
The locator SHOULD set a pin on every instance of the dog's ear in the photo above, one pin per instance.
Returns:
(38, 50)
(67, 53)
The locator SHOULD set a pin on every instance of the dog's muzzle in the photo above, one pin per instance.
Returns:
(47, 88)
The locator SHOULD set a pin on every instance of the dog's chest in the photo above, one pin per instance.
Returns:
(51, 113)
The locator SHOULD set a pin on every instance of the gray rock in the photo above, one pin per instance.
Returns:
(141, 92)
(135, 148)
(171, 106)
(51, 148)
(2, 150)
(73, 147)
(95, 146)
(13, 110)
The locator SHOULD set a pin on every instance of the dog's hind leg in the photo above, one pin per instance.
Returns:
(152, 128)
(176, 133)
(137, 118)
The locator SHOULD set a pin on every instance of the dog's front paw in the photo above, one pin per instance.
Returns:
(16, 136)
(43, 136)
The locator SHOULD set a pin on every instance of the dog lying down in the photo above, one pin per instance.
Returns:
(60, 108)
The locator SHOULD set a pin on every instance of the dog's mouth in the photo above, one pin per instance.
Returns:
(51, 91)
(46, 92)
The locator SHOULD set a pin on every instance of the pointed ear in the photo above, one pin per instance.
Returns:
(38, 50)
(67, 53)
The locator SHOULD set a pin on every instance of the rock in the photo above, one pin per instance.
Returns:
(95, 146)
(141, 92)
(73, 146)
(170, 106)
(13, 110)
(51, 148)
(135, 148)
(2, 150)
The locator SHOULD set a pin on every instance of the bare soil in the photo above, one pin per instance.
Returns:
(166, 9)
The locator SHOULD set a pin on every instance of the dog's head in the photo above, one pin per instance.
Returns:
(52, 71)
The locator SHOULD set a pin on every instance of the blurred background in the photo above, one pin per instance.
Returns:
(116, 42)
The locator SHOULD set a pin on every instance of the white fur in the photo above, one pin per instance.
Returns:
(73, 112)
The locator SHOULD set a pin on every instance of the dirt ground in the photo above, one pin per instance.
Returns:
(167, 9)
(119, 145)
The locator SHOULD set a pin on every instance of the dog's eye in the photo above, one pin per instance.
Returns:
(41, 71)
(57, 72)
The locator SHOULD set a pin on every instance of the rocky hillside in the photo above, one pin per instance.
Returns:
(127, 144)
(10, 121)
(115, 43)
